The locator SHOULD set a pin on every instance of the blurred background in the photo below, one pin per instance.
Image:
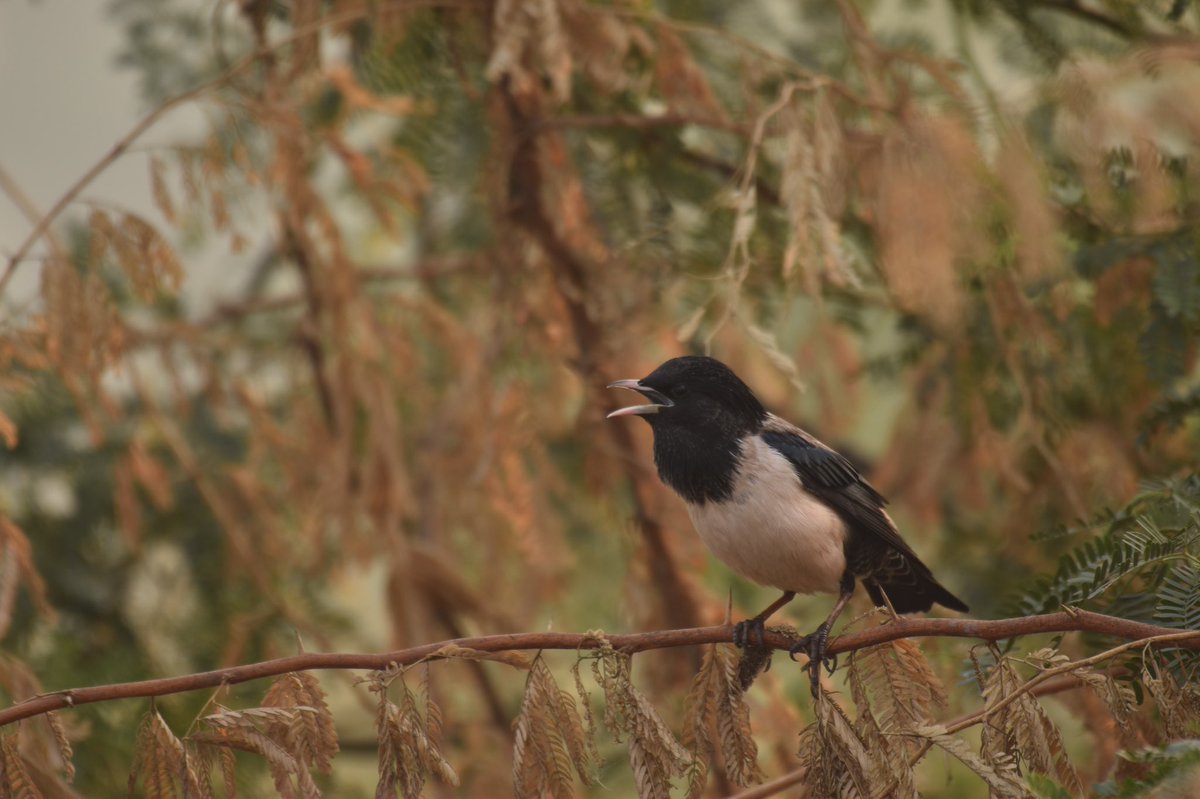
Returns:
(317, 358)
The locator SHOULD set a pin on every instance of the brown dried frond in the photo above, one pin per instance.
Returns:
(813, 189)
(146, 258)
(585, 699)
(897, 683)
(269, 733)
(65, 753)
(282, 765)
(1034, 217)
(162, 195)
(768, 344)
(1000, 775)
(18, 568)
(927, 211)
(1021, 729)
(189, 160)
(654, 753)
(680, 80)
(313, 738)
(717, 701)
(549, 739)
(82, 328)
(833, 755)
(408, 747)
(45, 742)
(601, 41)
(228, 771)
(892, 753)
(160, 762)
(1178, 704)
(15, 781)
(8, 430)
(895, 691)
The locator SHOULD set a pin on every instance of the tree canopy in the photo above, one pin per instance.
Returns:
(957, 239)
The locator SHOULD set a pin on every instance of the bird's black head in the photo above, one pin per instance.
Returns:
(698, 393)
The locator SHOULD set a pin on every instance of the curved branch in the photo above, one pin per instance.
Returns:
(991, 630)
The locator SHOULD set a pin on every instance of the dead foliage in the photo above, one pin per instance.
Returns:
(449, 224)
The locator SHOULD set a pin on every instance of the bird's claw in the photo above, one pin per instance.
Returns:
(814, 647)
(747, 630)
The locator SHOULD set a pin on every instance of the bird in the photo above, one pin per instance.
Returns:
(775, 504)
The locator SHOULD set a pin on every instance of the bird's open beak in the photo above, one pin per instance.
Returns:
(657, 401)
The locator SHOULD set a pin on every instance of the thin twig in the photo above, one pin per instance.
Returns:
(1138, 633)
(773, 787)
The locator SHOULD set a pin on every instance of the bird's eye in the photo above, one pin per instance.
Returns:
(680, 390)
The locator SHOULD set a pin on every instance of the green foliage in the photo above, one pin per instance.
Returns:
(1159, 766)
(1147, 551)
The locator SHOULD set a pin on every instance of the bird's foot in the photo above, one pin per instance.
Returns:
(814, 646)
(750, 632)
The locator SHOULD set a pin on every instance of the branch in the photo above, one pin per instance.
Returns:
(642, 122)
(993, 630)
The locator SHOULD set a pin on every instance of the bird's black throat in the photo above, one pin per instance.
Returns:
(699, 467)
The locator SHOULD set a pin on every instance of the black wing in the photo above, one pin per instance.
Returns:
(834, 480)
(875, 551)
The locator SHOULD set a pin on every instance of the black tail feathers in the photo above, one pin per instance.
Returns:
(911, 592)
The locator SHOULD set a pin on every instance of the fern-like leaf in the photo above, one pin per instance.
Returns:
(15, 780)
(654, 753)
(716, 703)
(1001, 777)
(310, 735)
(549, 739)
(1179, 597)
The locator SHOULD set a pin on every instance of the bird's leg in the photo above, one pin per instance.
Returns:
(745, 629)
(814, 645)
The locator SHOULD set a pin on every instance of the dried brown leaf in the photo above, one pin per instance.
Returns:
(311, 736)
(1178, 703)
(1021, 730)
(716, 702)
(680, 80)
(407, 751)
(927, 212)
(1002, 780)
(8, 430)
(65, 752)
(162, 195)
(549, 739)
(158, 759)
(16, 546)
(15, 780)
(897, 682)
(1034, 217)
(82, 328)
(654, 753)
